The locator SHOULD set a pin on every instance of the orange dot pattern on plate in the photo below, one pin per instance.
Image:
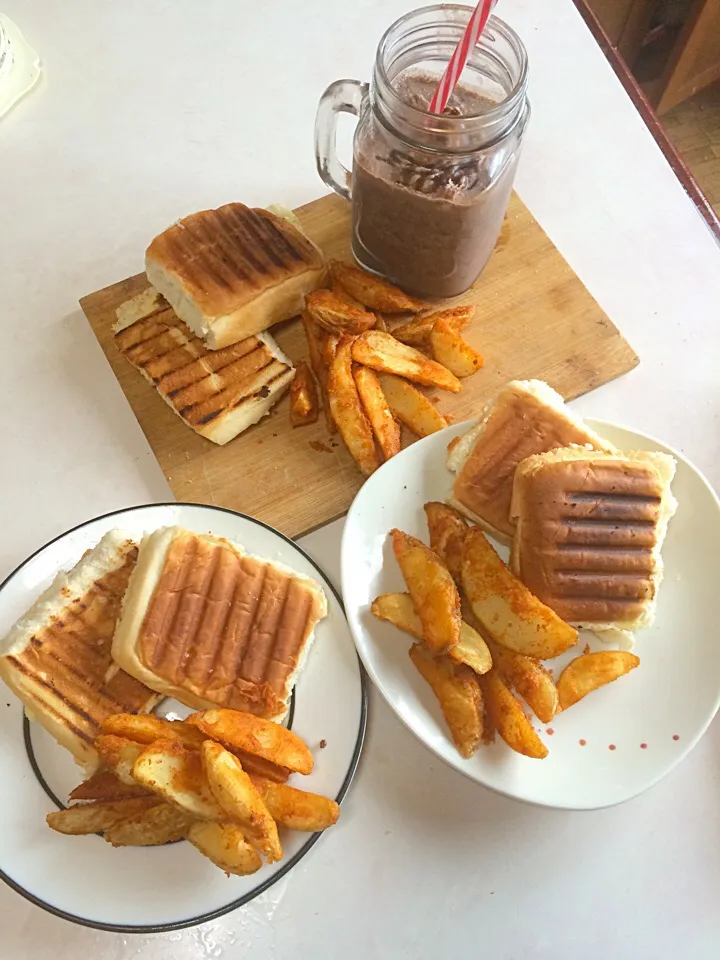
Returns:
(611, 746)
(582, 742)
(549, 731)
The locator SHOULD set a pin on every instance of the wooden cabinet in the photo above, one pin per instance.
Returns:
(671, 59)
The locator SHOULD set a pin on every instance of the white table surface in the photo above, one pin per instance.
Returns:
(148, 111)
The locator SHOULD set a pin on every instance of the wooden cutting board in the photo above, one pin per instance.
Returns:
(534, 318)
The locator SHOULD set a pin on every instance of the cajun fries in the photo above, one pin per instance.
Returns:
(416, 332)
(373, 292)
(530, 679)
(384, 425)
(104, 785)
(176, 773)
(432, 589)
(508, 718)
(506, 609)
(119, 755)
(592, 670)
(410, 406)
(297, 809)
(458, 693)
(449, 349)
(399, 609)
(381, 351)
(347, 410)
(226, 846)
(337, 314)
(448, 530)
(303, 396)
(96, 816)
(147, 728)
(237, 795)
(316, 351)
(152, 827)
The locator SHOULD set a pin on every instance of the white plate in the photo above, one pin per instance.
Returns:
(154, 889)
(596, 757)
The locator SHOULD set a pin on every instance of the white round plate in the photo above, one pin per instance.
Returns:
(616, 742)
(154, 889)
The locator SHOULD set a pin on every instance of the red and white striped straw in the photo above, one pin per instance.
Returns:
(448, 81)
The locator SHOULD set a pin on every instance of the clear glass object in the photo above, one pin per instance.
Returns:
(19, 65)
(429, 192)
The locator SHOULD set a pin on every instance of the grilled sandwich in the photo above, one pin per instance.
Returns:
(213, 626)
(590, 528)
(219, 393)
(57, 660)
(525, 418)
(235, 271)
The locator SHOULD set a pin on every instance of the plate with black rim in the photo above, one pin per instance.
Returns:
(154, 889)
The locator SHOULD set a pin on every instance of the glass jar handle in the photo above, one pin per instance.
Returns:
(343, 96)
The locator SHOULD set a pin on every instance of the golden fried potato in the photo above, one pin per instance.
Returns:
(398, 609)
(176, 773)
(316, 351)
(432, 589)
(258, 766)
(263, 738)
(381, 351)
(119, 754)
(592, 670)
(104, 785)
(384, 425)
(303, 396)
(160, 824)
(505, 608)
(336, 313)
(297, 809)
(449, 349)
(225, 845)
(410, 406)
(146, 728)
(507, 716)
(375, 293)
(238, 796)
(457, 690)
(98, 815)
(417, 331)
(529, 678)
(380, 324)
(448, 529)
(348, 413)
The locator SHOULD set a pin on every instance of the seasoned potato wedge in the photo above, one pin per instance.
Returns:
(506, 609)
(304, 405)
(297, 809)
(316, 351)
(417, 331)
(592, 670)
(448, 529)
(411, 407)
(160, 824)
(398, 609)
(348, 413)
(432, 589)
(508, 718)
(384, 425)
(176, 773)
(375, 293)
(146, 728)
(336, 313)
(530, 679)
(258, 766)
(449, 349)
(96, 816)
(119, 755)
(381, 351)
(104, 785)
(261, 737)
(238, 796)
(225, 845)
(458, 693)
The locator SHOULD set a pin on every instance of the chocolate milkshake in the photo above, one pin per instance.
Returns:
(429, 219)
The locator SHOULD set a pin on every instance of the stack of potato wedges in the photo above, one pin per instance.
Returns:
(217, 779)
(365, 373)
(481, 635)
